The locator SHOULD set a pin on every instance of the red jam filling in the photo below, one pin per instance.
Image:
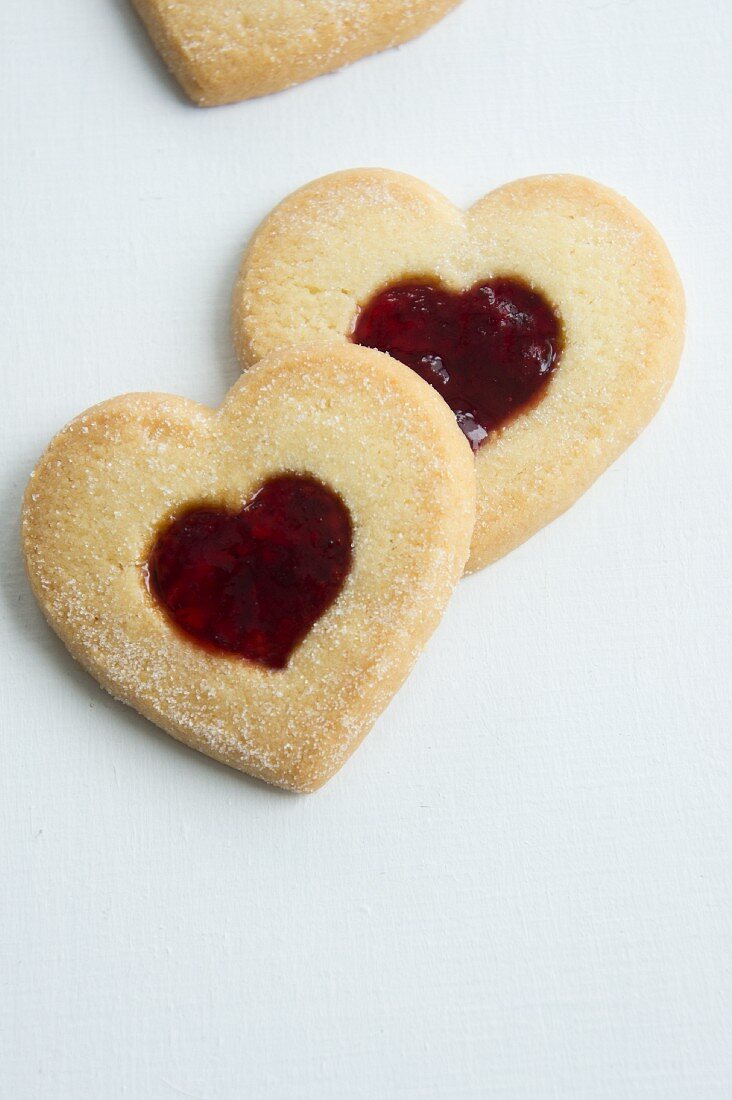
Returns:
(253, 582)
(490, 351)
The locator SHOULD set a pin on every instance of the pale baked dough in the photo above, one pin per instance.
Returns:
(225, 50)
(362, 424)
(327, 249)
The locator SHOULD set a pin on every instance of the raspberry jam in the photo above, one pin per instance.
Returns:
(253, 582)
(490, 351)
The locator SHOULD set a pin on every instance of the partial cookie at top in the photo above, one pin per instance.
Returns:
(122, 472)
(323, 255)
(222, 51)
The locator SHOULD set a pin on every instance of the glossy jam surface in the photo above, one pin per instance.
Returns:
(490, 351)
(253, 582)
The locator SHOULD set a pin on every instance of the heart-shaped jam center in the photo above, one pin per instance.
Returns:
(490, 351)
(253, 582)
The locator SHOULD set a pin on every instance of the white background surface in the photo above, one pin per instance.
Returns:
(520, 886)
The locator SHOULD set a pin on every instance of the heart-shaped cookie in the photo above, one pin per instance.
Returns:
(549, 316)
(221, 51)
(257, 580)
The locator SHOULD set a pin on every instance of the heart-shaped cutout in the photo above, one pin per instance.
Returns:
(488, 351)
(253, 582)
(368, 535)
(321, 263)
(221, 51)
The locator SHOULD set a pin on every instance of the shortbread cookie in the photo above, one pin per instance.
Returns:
(225, 50)
(256, 580)
(550, 317)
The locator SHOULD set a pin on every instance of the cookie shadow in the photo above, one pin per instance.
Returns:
(136, 34)
(224, 353)
(20, 609)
